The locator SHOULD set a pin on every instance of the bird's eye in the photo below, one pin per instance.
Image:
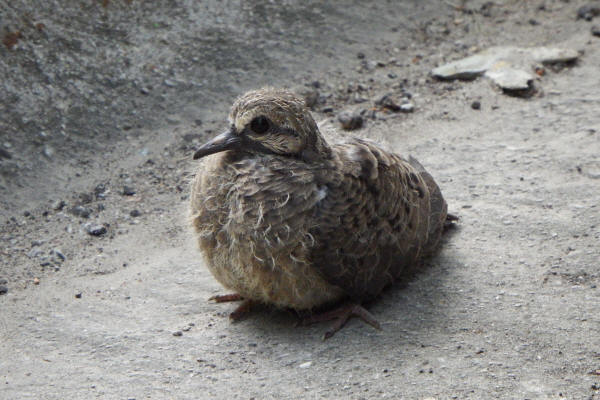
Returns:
(259, 125)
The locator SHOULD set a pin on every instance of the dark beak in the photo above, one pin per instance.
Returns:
(225, 141)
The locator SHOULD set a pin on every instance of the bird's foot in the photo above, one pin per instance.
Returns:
(223, 298)
(241, 311)
(341, 315)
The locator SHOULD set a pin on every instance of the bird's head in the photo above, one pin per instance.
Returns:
(270, 121)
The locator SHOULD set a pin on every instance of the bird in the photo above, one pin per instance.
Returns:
(284, 218)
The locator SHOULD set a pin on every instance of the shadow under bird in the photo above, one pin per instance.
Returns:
(285, 218)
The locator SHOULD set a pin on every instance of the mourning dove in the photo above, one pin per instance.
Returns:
(284, 218)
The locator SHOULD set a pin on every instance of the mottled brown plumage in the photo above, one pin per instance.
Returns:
(284, 218)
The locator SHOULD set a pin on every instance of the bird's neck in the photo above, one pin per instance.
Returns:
(317, 150)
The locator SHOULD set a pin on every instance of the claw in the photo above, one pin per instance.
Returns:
(223, 298)
(241, 311)
(341, 315)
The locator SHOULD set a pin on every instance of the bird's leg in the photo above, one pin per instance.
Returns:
(223, 298)
(341, 315)
(241, 310)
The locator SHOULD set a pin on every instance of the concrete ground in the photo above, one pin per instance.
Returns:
(102, 105)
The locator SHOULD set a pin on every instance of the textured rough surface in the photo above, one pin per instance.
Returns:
(508, 77)
(507, 310)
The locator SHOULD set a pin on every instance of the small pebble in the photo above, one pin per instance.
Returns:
(177, 333)
(81, 211)
(100, 191)
(34, 253)
(135, 213)
(407, 108)
(86, 198)
(58, 205)
(359, 99)
(589, 11)
(48, 151)
(350, 121)
(5, 154)
(476, 105)
(596, 30)
(3, 289)
(128, 190)
(96, 230)
(78, 295)
(388, 103)
(59, 254)
(305, 365)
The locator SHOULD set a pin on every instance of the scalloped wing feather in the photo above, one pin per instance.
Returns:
(382, 213)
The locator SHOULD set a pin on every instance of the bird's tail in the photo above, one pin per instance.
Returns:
(438, 209)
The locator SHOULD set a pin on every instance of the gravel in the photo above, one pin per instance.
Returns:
(80, 81)
(350, 120)
(81, 211)
(95, 230)
(407, 107)
(388, 103)
(589, 11)
(5, 154)
(58, 205)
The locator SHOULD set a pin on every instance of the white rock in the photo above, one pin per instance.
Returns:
(550, 55)
(507, 77)
(508, 66)
(467, 68)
